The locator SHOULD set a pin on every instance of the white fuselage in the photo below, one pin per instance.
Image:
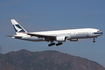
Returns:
(69, 33)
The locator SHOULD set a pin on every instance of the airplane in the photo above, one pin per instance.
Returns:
(57, 35)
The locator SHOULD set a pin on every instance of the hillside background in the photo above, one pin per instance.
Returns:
(45, 60)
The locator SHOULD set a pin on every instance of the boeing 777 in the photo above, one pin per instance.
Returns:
(57, 35)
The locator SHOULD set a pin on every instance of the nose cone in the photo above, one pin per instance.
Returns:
(101, 32)
(98, 33)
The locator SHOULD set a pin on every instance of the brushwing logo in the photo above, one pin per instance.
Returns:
(18, 28)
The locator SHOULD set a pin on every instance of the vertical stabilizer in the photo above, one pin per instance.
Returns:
(18, 28)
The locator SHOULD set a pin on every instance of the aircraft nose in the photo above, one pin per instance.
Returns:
(101, 32)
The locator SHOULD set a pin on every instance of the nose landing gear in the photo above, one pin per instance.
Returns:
(94, 40)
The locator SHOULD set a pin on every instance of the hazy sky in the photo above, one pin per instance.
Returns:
(41, 15)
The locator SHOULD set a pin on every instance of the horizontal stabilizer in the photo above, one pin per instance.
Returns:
(9, 35)
(18, 37)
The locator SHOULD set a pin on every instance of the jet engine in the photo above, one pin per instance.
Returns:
(61, 38)
(74, 40)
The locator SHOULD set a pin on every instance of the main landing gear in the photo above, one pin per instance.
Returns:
(51, 44)
(59, 44)
(54, 44)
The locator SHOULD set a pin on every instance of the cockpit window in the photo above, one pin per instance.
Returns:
(98, 32)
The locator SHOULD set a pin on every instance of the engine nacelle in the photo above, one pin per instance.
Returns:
(61, 38)
(74, 40)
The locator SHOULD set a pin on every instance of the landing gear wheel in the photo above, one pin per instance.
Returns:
(51, 44)
(59, 44)
(94, 40)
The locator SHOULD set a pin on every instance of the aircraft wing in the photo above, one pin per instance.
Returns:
(42, 36)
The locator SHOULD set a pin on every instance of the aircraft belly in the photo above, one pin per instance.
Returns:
(33, 39)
